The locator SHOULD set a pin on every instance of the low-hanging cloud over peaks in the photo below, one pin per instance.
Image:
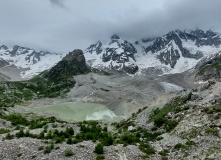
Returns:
(78, 23)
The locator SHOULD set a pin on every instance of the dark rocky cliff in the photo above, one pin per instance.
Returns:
(72, 64)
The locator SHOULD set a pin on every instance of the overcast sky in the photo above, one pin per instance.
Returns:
(64, 25)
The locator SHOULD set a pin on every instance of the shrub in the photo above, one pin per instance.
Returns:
(99, 149)
(19, 155)
(164, 152)
(49, 135)
(20, 133)
(151, 136)
(159, 122)
(178, 146)
(17, 127)
(2, 131)
(108, 141)
(70, 130)
(58, 140)
(169, 125)
(69, 140)
(105, 129)
(100, 157)
(190, 143)
(186, 108)
(89, 136)
(9, 136)
(129, 139)
(41, 135)
(146, 148)
(48, 149)
(16, 119)
(68, 153)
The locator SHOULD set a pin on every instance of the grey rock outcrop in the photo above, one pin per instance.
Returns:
(3, 63)
(72, 64)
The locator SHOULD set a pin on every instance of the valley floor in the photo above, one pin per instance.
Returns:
(160, 117)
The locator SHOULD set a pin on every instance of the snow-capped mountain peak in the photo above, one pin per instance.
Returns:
(115, 53)
(177, 51)
(28, 60)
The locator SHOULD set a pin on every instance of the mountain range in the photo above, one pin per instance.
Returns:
(174, 52)
(177, 51)
(26, 61)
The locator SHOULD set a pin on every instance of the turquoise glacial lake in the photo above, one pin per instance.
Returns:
(77, 111)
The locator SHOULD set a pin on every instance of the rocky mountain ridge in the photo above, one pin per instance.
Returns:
(176, 51)
(28, 61)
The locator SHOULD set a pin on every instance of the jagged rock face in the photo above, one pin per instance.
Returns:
(131, 69)
(127, 50)
(210, 68)
(95, 48)
(3, 63)
(205, 38)
(72, 64)
(171, 46)
(31, 56)
(115, 54)
(176, 51)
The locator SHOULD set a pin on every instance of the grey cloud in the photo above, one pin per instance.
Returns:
(59, 3)
(39, 25)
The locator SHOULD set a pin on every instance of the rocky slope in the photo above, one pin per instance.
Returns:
(179, 125)
(209, 68)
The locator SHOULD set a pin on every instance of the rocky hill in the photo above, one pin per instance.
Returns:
(72, 64)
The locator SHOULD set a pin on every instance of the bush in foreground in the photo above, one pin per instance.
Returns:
(99, 149)
(68, 153)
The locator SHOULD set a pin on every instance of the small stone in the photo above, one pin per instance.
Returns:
(130, 128)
